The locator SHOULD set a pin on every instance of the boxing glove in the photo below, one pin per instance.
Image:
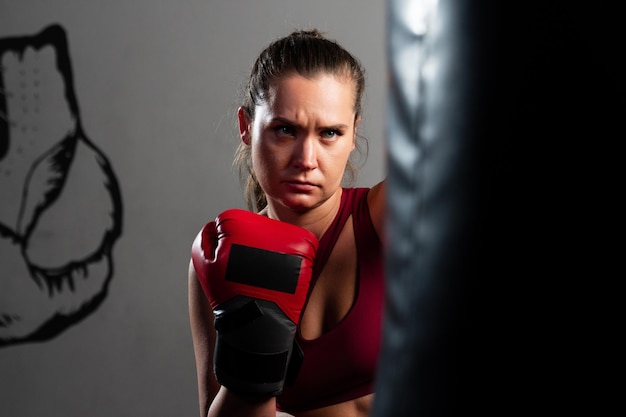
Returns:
(256, 274)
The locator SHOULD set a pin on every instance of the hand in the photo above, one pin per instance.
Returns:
(255, 272)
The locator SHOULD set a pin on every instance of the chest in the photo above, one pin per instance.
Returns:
(339, 333)
(335, 290)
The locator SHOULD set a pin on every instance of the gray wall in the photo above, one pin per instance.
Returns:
(156, 83)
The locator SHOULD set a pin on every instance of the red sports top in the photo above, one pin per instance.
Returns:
(340, 365)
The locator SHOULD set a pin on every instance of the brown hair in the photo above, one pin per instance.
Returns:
(307, 53)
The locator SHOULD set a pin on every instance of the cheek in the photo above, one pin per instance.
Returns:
(264, 161)
(335, 163)
(344, 153)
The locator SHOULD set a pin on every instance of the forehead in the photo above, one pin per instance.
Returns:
(324, 92)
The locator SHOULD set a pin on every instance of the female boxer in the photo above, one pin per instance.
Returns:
(298, 128)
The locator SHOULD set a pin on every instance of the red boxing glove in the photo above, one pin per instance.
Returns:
(256, 273)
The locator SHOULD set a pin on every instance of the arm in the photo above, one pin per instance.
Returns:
(377, 200)
(203, 335)
(215, 400)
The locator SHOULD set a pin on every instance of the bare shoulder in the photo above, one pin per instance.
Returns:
(376, 201)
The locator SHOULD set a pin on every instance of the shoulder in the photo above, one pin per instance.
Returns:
(376, 201)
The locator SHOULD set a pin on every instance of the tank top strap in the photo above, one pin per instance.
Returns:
(331, 235)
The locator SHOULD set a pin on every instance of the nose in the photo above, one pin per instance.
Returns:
(305, 154)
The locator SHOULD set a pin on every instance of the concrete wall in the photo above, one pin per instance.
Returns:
(115, 148)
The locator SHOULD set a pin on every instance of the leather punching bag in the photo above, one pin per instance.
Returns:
(439, 75)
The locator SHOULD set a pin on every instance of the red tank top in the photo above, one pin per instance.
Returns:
(340, 365)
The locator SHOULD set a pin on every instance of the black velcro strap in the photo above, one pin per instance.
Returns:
(239, 365)
(263, 268)
(232, 319)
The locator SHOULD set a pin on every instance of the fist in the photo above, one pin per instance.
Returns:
(256, 274)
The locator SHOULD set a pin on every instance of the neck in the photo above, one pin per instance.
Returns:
(316, 220)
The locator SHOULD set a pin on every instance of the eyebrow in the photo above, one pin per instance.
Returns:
(338, 126)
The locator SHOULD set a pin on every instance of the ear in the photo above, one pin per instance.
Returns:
(245, 125)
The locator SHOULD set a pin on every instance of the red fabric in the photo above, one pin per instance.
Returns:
(340, 365)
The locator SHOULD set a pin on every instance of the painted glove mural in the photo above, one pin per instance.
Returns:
(60, 204)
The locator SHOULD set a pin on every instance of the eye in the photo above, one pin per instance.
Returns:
(284, 130)
(330, 134)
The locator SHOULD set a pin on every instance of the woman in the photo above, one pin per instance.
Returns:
(298, 127)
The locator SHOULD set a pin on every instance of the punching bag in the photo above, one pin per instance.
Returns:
(502, 121)
(438, 94)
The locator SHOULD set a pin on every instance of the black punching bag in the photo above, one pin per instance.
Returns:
(440, 74)
(503, 123)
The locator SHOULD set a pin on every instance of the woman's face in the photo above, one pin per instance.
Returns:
(301, 138)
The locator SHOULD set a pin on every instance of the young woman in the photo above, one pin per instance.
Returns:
(298, 127)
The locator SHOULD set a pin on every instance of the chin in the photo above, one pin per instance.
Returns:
(299, 207)
(301, 203)
(295, 202)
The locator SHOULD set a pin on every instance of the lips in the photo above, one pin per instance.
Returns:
(300, 186)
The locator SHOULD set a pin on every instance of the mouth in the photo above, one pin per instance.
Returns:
(300, 186)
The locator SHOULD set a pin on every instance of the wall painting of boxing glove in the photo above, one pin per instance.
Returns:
(60, 203)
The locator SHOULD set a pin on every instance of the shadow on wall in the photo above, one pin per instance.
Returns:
(60, 203)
